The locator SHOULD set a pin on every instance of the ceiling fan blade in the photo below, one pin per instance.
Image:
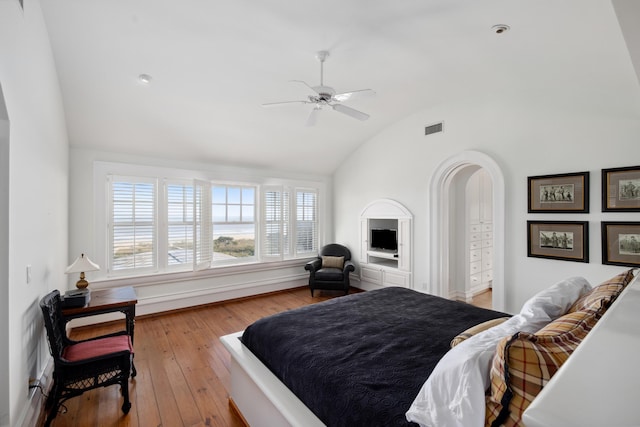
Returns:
(350, 112)
(344, 96)
(275, 104)
(313, 117)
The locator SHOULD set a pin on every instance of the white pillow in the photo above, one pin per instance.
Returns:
(454, 393)
(553, 302)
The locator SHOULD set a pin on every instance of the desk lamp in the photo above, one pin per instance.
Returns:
(80, 265)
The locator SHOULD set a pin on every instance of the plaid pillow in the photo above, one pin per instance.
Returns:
(524, 364)
(600, 297)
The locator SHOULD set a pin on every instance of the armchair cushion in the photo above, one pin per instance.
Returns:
(333, 262)
(96, 348)
(330, 274)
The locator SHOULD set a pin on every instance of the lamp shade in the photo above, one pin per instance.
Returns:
(80, 265)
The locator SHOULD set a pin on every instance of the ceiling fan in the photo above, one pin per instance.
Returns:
(326, 96)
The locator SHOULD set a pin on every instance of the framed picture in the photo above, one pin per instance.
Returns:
(621, 189)
(621, 243)
(563, 240)
(563, 193)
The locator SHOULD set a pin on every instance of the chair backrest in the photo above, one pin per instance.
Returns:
(334, 249)
(53, 322)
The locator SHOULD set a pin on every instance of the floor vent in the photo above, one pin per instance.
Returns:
(433, 128)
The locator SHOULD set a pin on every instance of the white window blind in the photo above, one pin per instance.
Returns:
(306, 222)
(180, 224)
(277, 224)
(133, 224)
(286, 221)
(275, 227)
(203, 247)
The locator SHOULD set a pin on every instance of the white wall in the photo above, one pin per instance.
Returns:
(37, 196)
(528, 127)
(4, 257)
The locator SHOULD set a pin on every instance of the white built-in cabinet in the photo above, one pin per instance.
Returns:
(385, 268)
(480, 232)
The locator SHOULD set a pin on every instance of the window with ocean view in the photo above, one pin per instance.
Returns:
(233, 210)
(158, 224)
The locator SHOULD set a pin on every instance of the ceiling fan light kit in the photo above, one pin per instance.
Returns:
(326, 96)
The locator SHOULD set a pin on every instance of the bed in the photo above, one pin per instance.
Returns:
(359, 359)
(363, 359)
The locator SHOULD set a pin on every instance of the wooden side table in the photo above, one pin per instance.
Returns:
(112, 300)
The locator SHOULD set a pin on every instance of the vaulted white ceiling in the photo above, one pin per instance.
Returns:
(214, 62)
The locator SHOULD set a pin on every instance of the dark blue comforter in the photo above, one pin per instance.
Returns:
(361, 359)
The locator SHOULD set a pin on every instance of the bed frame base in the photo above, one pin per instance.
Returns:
(258, 396)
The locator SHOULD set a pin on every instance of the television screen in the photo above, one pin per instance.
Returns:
(384, 239)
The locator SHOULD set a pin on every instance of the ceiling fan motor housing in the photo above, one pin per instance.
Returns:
(324, 91)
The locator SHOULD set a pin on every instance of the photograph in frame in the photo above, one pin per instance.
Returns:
(621, 243)
(560, 193)
(621, 189)
(561, 240)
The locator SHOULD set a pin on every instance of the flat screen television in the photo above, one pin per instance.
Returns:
(384, 239)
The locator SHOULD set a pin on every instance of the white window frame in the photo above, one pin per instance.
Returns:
(97, 237)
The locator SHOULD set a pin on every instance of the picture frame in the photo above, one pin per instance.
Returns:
(621, 189)
(621, 243)
(560, 193)
(561, 240)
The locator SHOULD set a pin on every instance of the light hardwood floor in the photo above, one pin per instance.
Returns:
(183, 368)
(483, 299)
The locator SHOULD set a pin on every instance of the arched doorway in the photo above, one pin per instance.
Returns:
(444, 190)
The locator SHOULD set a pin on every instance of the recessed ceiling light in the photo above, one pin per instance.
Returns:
(500, 28)
(144, 79)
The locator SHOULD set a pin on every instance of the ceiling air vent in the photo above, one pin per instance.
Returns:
(433, 128)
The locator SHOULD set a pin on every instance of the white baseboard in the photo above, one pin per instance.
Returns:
(159, 304)
(466, 296)
(366, 286)
(33, 413)
(186, 299)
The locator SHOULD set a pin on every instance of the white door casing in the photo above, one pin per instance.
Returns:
(440, 241)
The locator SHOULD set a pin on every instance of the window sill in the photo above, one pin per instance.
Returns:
(172, 277)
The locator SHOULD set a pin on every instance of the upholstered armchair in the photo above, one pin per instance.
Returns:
(330, 270)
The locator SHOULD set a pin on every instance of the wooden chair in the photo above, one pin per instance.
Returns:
(80, 366)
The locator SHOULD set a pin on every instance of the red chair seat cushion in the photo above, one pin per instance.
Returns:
(99, 347)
